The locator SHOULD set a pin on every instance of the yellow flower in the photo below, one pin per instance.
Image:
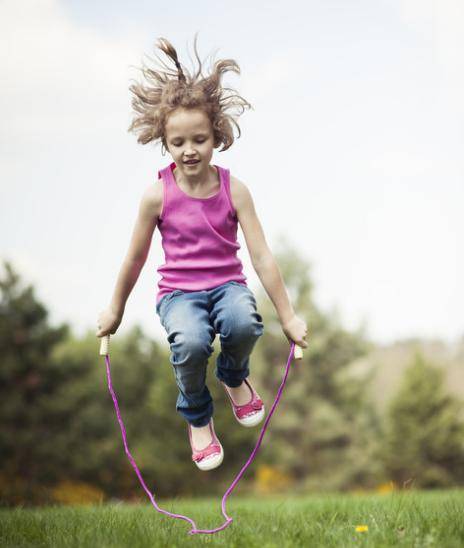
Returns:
(362, 528)
(270, 479)
(77, 492)
(386, 488)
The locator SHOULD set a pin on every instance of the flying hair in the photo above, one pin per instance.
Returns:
(167, 88)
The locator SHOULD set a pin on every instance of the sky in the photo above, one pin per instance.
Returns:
(353, 150)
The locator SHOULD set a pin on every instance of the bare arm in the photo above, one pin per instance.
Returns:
(147, 220)
(261, 256)
(264, 262)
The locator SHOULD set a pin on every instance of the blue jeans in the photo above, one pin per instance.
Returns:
(191, 320)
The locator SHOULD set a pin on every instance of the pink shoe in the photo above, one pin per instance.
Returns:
(212, 455)
(251, 413)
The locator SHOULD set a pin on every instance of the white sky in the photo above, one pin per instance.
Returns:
(354, 150)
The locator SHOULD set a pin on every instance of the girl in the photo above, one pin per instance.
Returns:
(197, 206)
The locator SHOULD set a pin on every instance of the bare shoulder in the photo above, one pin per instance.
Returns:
(239, 193)
(152, 199)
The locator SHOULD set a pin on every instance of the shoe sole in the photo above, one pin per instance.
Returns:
(211, 462)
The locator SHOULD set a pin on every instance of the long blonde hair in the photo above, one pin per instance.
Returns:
(168, 88)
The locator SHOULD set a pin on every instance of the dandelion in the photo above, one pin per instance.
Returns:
(362, 528)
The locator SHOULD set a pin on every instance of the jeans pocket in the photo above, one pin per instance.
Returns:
(167, 298)
(174, 293)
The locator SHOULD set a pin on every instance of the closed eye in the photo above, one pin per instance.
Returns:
(199, 141)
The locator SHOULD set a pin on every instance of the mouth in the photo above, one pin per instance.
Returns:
(192, 162)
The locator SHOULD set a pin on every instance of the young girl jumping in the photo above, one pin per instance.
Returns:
(197, 206)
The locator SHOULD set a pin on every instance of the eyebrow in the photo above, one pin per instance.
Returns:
(201, 134)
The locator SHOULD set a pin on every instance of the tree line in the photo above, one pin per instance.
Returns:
(60, 441)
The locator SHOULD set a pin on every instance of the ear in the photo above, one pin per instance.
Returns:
(164, 145)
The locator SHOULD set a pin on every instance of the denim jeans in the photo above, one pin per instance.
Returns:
(191, 320)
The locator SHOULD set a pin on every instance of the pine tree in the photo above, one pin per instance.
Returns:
(424, 440)
(26, 343)
(58, 424)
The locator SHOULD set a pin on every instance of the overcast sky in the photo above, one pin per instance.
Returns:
(354, 149)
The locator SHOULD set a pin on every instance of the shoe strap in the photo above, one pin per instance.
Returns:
(255, 405)
(211, 449)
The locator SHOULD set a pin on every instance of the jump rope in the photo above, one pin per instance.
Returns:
(295, 352)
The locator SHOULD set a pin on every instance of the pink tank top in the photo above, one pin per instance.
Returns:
(199, 237)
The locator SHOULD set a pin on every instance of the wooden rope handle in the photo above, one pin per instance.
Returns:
(104, 345)
(298, 352)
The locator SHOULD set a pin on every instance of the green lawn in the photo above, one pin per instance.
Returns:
(407, 518)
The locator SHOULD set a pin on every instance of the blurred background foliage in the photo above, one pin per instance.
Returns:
(354, 416)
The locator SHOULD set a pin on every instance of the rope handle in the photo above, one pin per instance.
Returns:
(105, 345)
(298, 352)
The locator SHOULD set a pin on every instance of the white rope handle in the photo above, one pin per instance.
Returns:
(104, 345)
(298, 352)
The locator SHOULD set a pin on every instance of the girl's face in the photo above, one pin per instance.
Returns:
(189, 136)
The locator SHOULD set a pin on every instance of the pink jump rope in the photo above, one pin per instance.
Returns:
(295, 351)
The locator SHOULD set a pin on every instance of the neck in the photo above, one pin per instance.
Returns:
(193, 180)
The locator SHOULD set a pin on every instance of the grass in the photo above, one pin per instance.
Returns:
(406, 518)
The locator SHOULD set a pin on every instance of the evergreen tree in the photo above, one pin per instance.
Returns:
(58, 424)
(26, 377)
(424, 440)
